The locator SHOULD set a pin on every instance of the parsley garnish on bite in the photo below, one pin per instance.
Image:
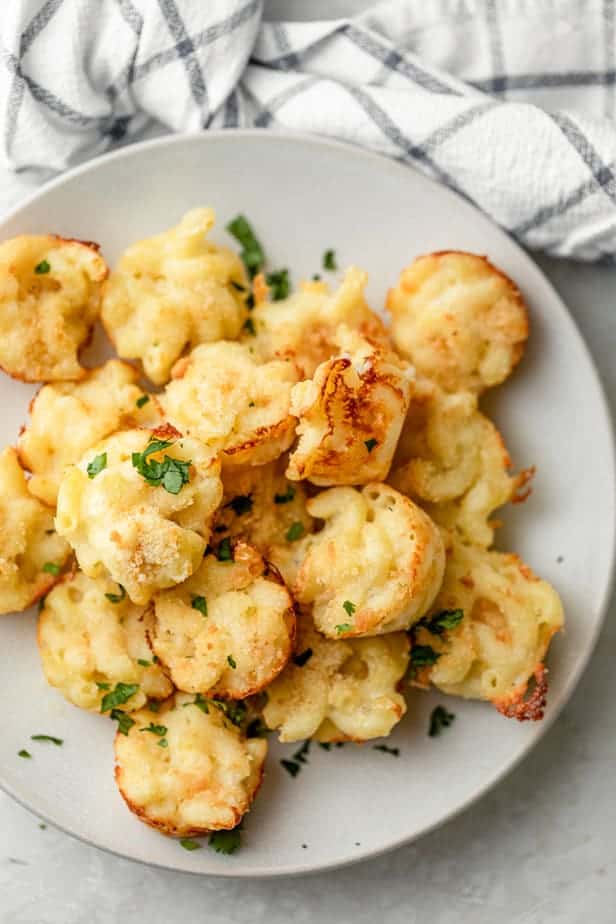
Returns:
(117, 598)
(343, 627)
(445, 620)
(224, 552)
(96, 466)
(199, 603)
(249, 327)
(121, 694)
(279, 284)
(303, 658)
(52, 740)
(252, 253)
(240, 504)
(226, 842)
(50, 567)
(423, 656)
(285, 498)
(159, 730)
(42, 268)
(125, 722)
(143, 662)
(349, 607)
(257, 729)
(231, 662)
(171, 473)
(370, 444)
(295, 531)
(329, 260)
(103, 686)
(140, 402)
(439, 719)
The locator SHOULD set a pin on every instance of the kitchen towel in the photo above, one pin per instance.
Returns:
(511, 103)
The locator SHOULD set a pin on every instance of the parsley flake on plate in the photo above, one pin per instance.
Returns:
(329, 260)
(226, 842)
(96, 466)
(440, 718)
(294, 765)
(52, 740)
(395, 752)
(24, 753)
(188, 844)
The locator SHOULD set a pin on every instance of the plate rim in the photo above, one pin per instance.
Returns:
(134, 149)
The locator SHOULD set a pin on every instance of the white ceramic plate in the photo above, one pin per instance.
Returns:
(304, 196)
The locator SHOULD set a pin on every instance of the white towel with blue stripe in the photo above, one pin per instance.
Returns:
(511, 103)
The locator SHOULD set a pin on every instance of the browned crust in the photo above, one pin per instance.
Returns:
(166, 431)
(522, 486)
(517, 706)
(261, 435)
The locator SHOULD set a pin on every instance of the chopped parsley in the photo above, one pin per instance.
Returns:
(159, 730)
(326, 745)
(143, 400)
(224, 552)
(395, 752)
(42, 268)
(199, 603)
(240, 504)
(349, 607)
(445, 620)
(294, 765)
(51, 568)
(143, 662)
(57, 741)
(257, 729)
(231, 662)
(96, 466)
(287, 497)
(303, 658)
(117, 598)
(188, 844)
(329, 260)
(226, 842)
(370, 444)
(103, 686)
(24, 753)
(295, 531)
(251, 404)
(201, 703)
(125, 723)
(249, 327)
(163, 743)
(172, 474)
(423, 656)
(252, 253)
(439, 719)
(41, 604)
(153, 705)
(234, 710)
(237, 286)
(343, 627)
(279, 284)
(316, 277)
(42, 826)
(121, 694)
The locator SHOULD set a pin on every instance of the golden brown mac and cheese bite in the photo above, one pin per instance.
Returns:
(452, 460)
(221, 396)
(339, 690)
(32, 554)
(67, 418)
(91, 637)
(502, 620)
(350, 414)
(375, 566)
(228, 630)
(171, 292)
(50, 293)
(138, 508)
(186, 769)
(302, 327)
(459, 320)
